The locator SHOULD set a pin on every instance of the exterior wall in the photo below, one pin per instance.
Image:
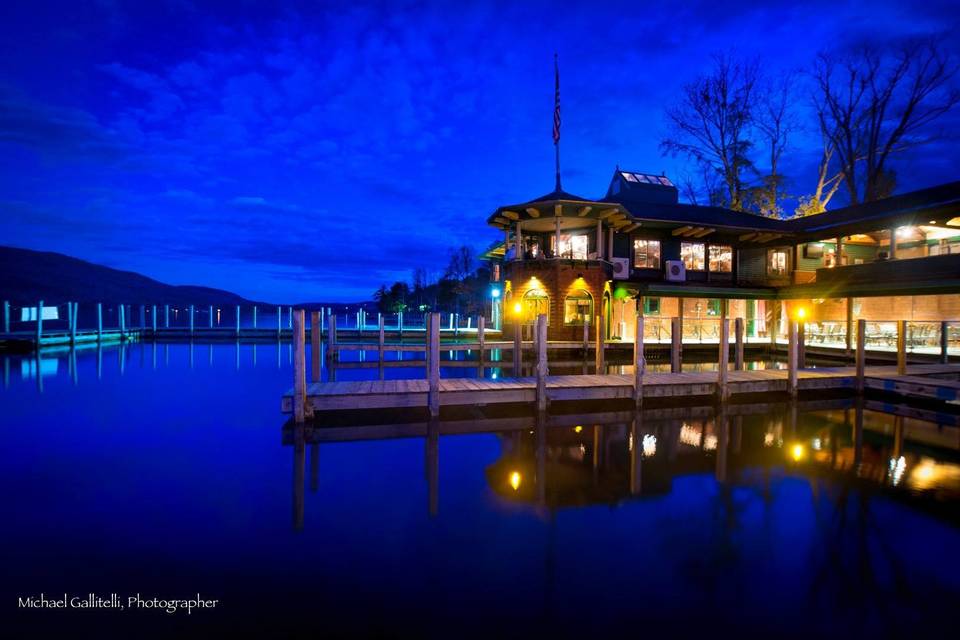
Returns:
(886, 308)
(557, 278)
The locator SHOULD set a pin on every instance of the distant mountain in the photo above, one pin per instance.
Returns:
(27, 276)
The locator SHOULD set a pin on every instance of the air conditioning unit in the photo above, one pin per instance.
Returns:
(621, 268)
(676, 271)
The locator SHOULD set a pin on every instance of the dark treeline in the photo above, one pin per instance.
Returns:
(463, 288)
(866, 104)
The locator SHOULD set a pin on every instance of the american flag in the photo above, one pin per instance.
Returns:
(556, 102)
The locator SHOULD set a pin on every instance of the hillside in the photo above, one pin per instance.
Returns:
(27, 276)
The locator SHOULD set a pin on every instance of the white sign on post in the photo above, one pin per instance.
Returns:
(29, 314)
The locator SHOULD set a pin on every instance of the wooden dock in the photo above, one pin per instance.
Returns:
(383, 394)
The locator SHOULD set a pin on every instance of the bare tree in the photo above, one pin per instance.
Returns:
(877, 102)
(710, 125)
(829, 178)
(775, 121)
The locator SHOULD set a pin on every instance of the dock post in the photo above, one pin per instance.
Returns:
(143, 316)
(738, 354)
(723, 365)
(598, 343)
(191, 321)
(792, 357)
(676, 336)
(166, 316)
(121, 320)
(315, 346)
(517, 347)
(73, 307)
(210, 317)
(802, 345)
(279, 320)
(237, 327)
(848, 339)
(944, 342)
(254, 316)
(481, 339)
(299, 368)
(542, 362)
(39, 329)
(99, 322)
(586, 336)
(153, 320)
(379, 337)
(433, 366)
(332, 337)
(6, 316)
(639, 367)
(901, 347)
(861, 353)
(290, 318)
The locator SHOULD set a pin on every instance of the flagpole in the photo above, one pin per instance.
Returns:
(556, 116)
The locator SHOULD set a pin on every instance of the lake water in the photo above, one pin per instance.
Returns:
(169, 471)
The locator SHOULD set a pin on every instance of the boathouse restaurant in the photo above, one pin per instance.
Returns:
(637, 250)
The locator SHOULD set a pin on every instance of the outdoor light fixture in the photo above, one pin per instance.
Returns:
(801, 313)
(495, 293)
(796, 452)
(515, 480)
(577, 429)
(517, 308)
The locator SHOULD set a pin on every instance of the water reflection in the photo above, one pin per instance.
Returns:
(555, 462)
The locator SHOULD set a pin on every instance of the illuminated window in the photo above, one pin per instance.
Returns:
(574, 247)
(646, 254)
(777, 262)
(692, 255)
(721, 259)
(535, 302)
(577, 308)
(629, 176)
(651, 306)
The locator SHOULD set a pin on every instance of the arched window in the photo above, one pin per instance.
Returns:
(577, 307)
(535, 302)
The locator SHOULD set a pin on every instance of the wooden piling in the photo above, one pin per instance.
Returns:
(166, 316)
(738, 353)
(315, 346)
(191, 320)
(676, 336)
(541, 362)
(944, 342)
(379, 337)
(848, 338)
(332, 337)
(598, 347)
(433, 366)
(802, 345)
(723, 364)
(254, 316)
(639, 366)
(481, 339)
(902, 347)
(210, 317)
(73, 308)
(153, 320)
(99, 322)
(299, 368)
(279, 321)
(586, 337)
(861, 353)
(290, 318)
(143, 316)
(6, 316)
(517, 348)
(120, 320)
(792, 357)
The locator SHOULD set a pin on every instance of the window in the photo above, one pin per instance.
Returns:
(692, 255)
(646, 254)
(721, 258)
(533, 303)
(651, 306)
(577, 308)
(629, 176)
(574, 247)
(777, 262)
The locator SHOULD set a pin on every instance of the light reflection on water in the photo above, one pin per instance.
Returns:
(169, 469)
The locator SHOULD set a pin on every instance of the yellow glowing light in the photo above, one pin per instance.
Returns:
(517, 308)
(801, 313)
(796, 452)
(515, 480)
(577, 429)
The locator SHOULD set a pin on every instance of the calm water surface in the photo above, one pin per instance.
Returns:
(169, 471)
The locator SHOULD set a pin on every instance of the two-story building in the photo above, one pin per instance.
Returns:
(638, 250)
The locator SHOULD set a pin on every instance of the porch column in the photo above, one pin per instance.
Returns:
(506, 242)
(599, 239)
(849, 337)
(839, 252)
(610, 246)
(519, 240)
(893, 243)
(556, 241)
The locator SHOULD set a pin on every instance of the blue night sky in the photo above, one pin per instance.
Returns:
(315, 151)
